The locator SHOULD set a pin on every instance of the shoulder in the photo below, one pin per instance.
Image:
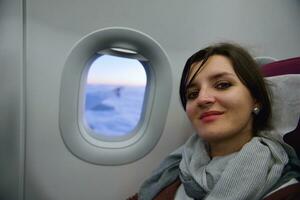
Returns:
(289, 192)
(167, 193)
(134, 197)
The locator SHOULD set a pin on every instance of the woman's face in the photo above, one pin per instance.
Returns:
(218, 104)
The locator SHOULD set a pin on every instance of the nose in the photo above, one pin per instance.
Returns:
(205, 98)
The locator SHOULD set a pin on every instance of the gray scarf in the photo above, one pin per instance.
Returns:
(248, 174)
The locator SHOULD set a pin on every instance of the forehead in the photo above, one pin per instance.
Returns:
(215, 65)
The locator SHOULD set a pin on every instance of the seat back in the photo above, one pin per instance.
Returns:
(284, 67)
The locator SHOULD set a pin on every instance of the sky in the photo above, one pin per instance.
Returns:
(114, 70)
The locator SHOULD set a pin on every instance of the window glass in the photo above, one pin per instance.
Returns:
(114, 95)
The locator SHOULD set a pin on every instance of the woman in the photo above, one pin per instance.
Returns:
(232, 155)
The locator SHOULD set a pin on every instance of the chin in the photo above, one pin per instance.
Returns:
(212, 136)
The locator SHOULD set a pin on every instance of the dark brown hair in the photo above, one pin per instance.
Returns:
(246, 69)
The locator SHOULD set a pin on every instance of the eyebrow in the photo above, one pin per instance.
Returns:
(213, 77)
(218, 75)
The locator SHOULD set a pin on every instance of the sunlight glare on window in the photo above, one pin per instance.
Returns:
(114, 96)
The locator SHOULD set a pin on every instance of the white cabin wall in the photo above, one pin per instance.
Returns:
(11, 100)
(268, 28)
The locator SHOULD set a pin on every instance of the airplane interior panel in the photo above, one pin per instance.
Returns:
(45, 49)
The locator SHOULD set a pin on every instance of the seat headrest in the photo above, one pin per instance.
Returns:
(282, 67)
(285, 82)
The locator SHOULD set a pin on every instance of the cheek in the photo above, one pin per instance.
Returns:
(190, 110)
(237, 100)
(242, 107)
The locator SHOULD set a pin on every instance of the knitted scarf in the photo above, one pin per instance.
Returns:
(248, 174)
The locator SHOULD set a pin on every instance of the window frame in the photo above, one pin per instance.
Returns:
(155, 60)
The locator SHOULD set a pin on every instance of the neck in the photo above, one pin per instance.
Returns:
(228, 146)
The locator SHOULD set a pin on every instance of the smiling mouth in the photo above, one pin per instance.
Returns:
(210, 113)
(210, 116)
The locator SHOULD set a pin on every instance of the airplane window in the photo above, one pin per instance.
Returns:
(114, 96)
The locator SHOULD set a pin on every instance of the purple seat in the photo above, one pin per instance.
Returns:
(283, 67)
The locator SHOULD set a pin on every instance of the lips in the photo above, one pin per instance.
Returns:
(210, 113)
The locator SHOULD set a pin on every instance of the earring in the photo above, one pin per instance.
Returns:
(256, 110)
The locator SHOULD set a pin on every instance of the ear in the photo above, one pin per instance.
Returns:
(256, 107)
(256, 104)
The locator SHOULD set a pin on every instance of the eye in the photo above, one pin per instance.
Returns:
(192, 94)
(223, 85)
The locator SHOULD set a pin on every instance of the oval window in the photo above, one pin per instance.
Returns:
(114, 96)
